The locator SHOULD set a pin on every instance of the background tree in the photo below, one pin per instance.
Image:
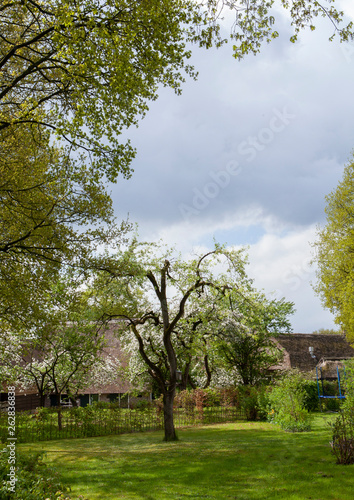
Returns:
(244, 339)
(334, 254)
(62, 353)
(327, 331)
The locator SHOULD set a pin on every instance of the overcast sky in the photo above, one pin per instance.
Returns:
(247, 155)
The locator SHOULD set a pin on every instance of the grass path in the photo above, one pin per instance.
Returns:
(243, 461)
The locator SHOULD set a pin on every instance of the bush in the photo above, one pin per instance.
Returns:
(34, 479)
(189, 399)
(230, 396)
(186, 400)
(349, 383)
(254, 402)
(311, 400)
(214, 397)
(287, 403)
(343, 428)
(343, 437)
(333, 405)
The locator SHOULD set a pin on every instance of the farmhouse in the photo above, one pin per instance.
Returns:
(120, 390)
(302, 351)
(305, 351)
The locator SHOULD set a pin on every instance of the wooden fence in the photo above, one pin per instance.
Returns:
(90, 422)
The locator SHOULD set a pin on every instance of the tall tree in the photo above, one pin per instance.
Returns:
(152, 294)
(334, 253)
(52, 213)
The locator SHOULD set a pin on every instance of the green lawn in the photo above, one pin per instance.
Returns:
(248, 461)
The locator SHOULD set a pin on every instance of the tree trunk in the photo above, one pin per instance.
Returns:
(42, 400)
(185, 377)
(170, 433)
(59, 413)
(73, 401)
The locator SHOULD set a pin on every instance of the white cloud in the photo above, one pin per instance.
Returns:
(348, 7)
(283, 264)
(279, 262)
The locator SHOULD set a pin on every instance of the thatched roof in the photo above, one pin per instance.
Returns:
(113, 350)
(329, 368)
(296, 349)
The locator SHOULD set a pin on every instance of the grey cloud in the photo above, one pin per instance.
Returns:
(231, 114)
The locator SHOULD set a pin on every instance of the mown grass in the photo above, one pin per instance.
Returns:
(244, 461)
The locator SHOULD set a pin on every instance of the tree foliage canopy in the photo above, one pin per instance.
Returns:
(335, 253)
(245, 336)
(52, 213)
(88, 69)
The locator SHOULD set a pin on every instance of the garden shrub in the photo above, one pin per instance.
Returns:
(330, 388)
(311, 400)
(287, 403)
(189, 399)
(214, 397)
(332, 405)
(343, 437)
(104, 404)
(343, 428)
(44, 413)
(186, 400)
(253, 401)
(200, 398)
(230, 396)
(34, 479)
(143, 405)
(263, 402)
(349, 384)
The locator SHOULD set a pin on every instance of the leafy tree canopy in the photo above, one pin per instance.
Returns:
(52, 213)
(334, 253)
(244, 337)
(88, 69)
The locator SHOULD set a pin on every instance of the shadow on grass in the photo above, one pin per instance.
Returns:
(249, 461)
